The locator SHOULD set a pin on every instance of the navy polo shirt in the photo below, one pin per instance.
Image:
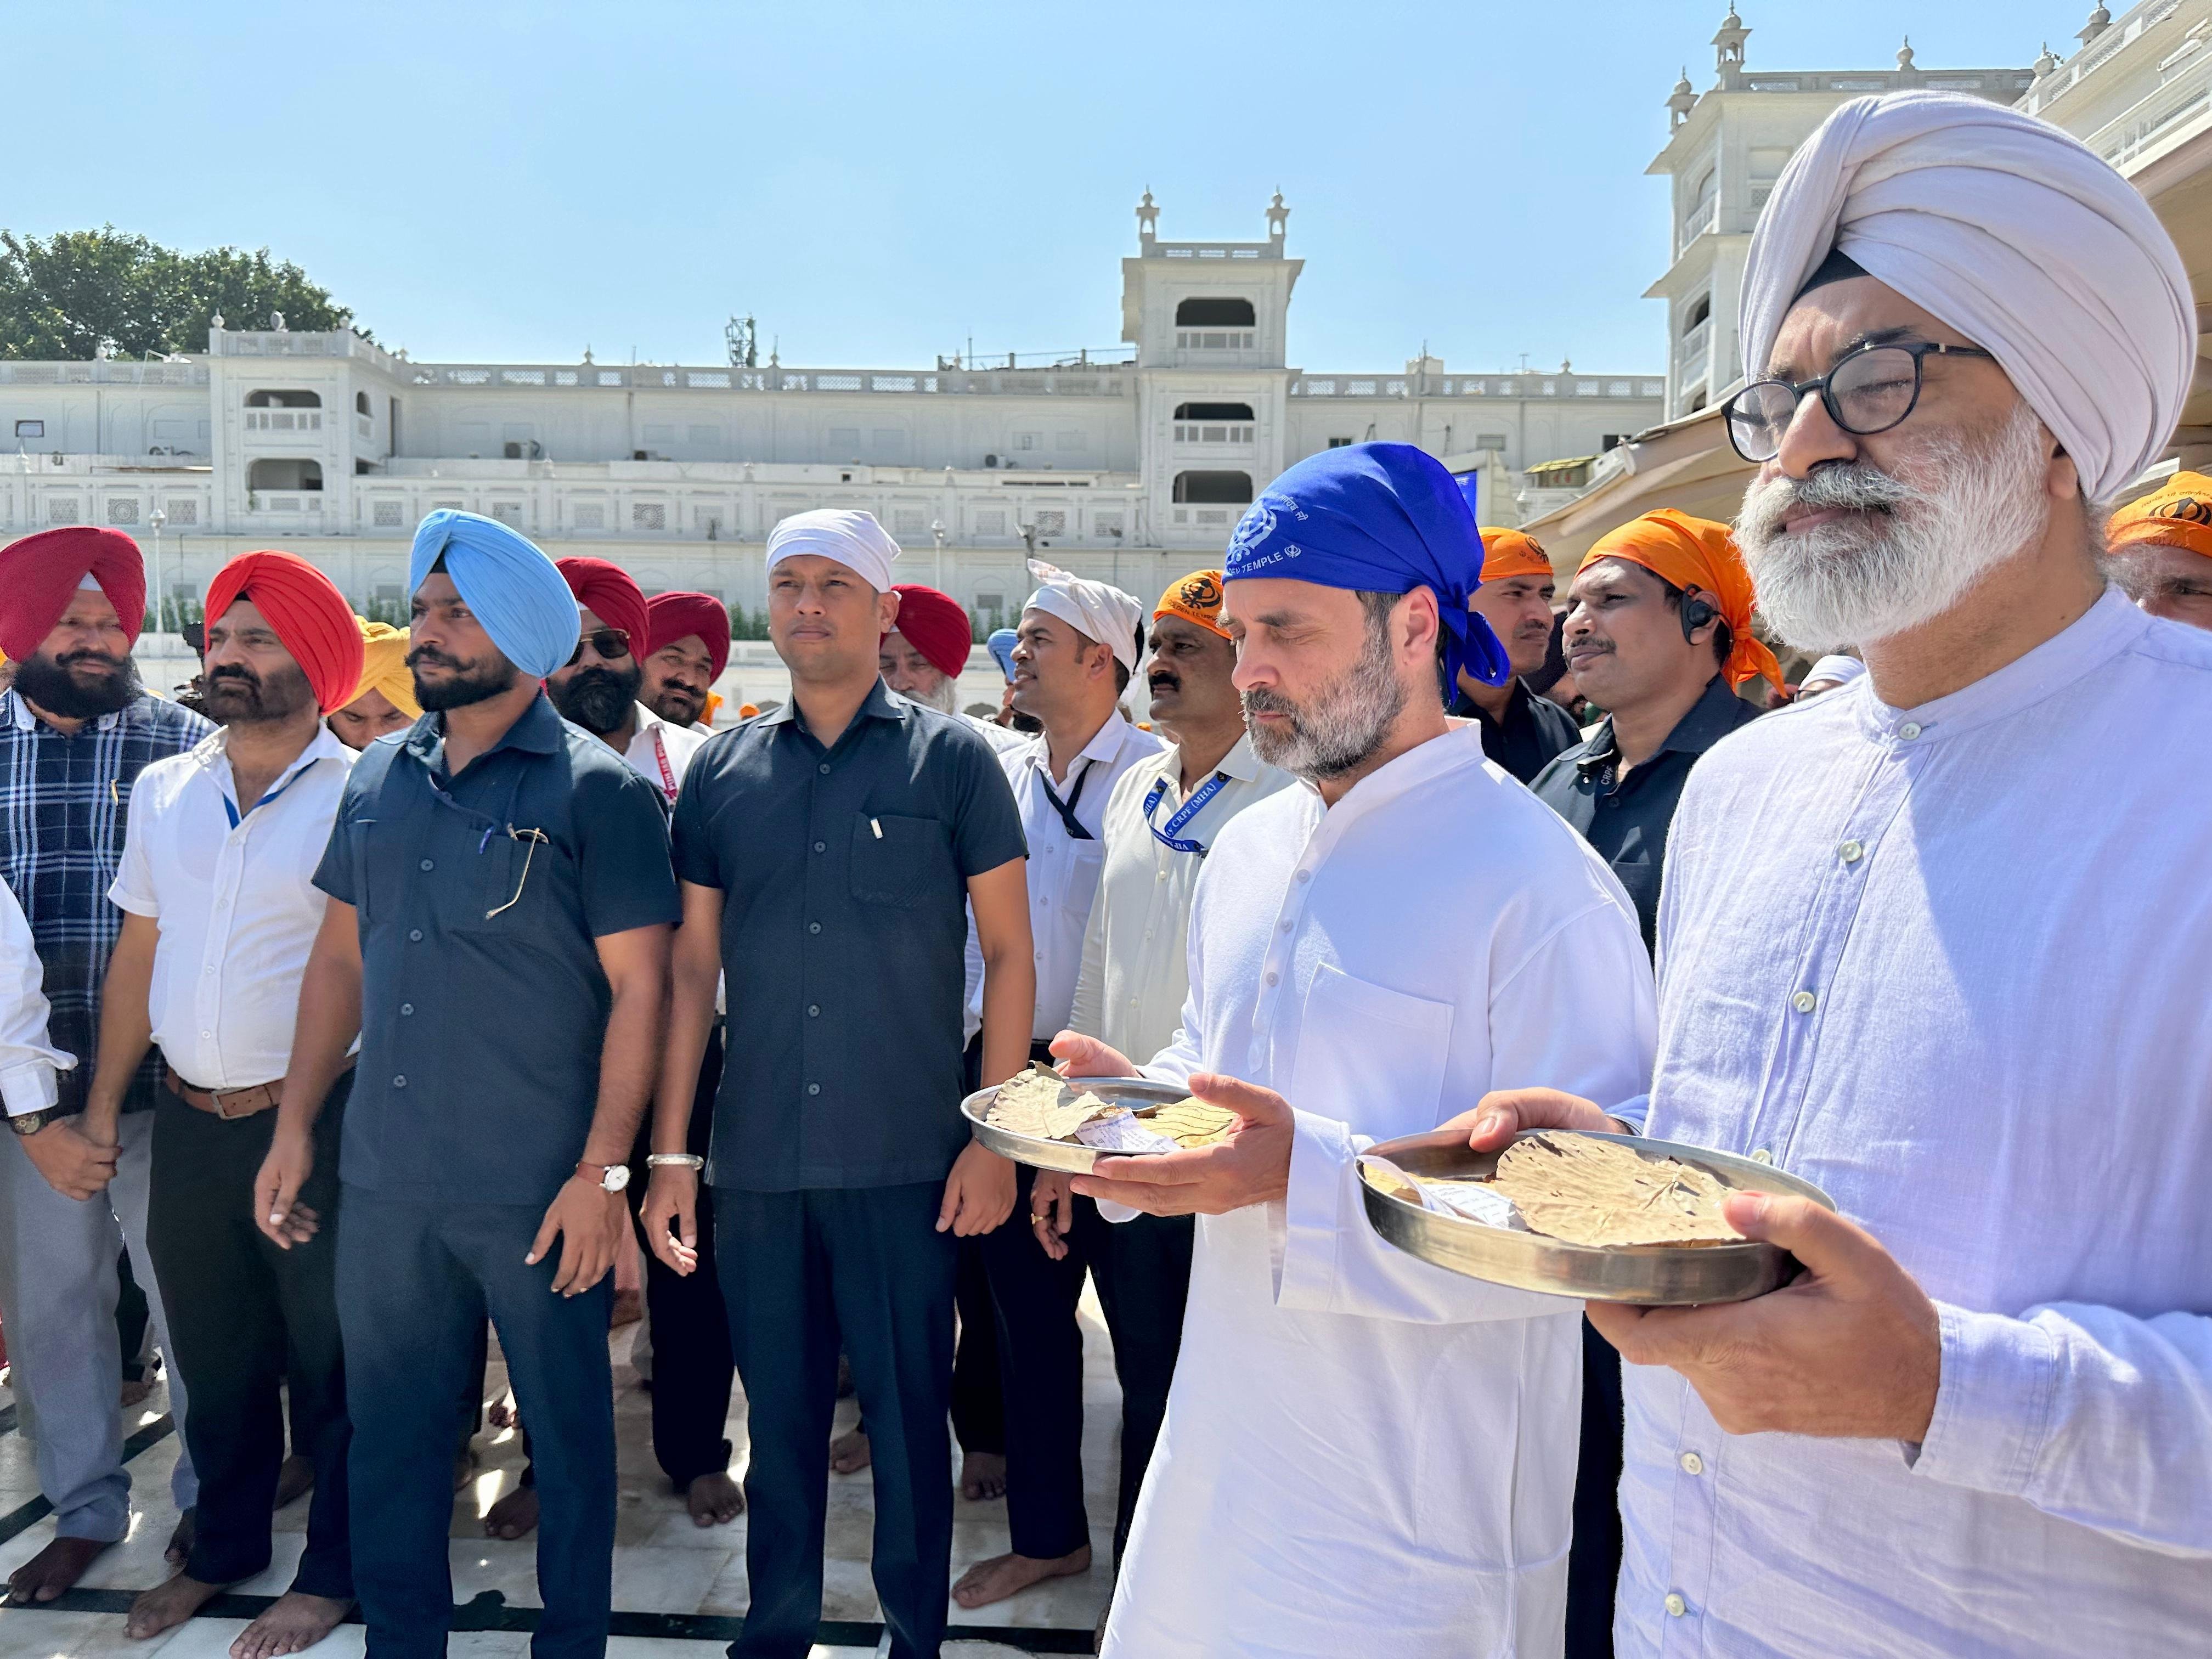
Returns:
(484, 1005)
(844, 874)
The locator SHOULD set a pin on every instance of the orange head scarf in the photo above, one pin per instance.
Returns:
(2179, 514)
(1196, 598)
(1511, 553)
(1687, 553)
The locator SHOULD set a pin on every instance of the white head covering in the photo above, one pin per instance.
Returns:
(1095, 610)
(854, 539)
(2011, 231)
(1842, 670)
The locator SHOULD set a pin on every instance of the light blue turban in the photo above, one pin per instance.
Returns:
(517, 594)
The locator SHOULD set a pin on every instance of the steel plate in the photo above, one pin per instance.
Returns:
(1130, 1091)
(1653, 1275)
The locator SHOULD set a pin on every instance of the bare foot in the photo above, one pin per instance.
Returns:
(293, 1623)
(1002, 1576)
(849, 1452)
(54, 1569)
(715, 1499)
(134, 1391)
(501, 1414)
(982, 1475)
(515, 1515)
(297, 1475)
(166, 1605)
(181, 1541)
(629, 1308)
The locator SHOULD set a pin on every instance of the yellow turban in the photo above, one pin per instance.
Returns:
(384, 668)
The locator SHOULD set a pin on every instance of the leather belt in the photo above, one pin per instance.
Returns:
(230, 1102)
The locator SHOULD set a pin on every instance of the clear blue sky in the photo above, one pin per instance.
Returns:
(878, 182)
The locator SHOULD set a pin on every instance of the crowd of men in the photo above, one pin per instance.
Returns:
(421, 972)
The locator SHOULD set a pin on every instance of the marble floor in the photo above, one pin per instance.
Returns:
(664, 1564)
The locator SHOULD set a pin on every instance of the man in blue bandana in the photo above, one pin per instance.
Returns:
(1355, 1441)
(497, 936)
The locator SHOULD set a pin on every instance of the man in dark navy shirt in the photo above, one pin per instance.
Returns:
(501, 899)
(1520, 730)
(828, 853)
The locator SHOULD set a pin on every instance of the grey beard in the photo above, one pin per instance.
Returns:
(1956, 512)
(1345, 723)
(944, 697)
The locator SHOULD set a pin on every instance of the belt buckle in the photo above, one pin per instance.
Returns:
(222, 1103)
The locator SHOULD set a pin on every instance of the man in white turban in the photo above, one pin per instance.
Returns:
(1956, 975)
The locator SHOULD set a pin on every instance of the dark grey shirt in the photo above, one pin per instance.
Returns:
(844, 874)
(1534, 729)
(1627, 820)
(484, 1005)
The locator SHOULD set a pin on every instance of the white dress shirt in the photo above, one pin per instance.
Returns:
(1950, 963)
(659, 750)
(1136, 962)
(27, 1060)
(237, 906)
(1063, 870)
(1364, 1452)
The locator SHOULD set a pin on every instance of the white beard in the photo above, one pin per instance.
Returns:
(1953, 513)
(944, 697)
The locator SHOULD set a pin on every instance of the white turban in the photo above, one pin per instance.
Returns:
(2011, 231)
(1095, 610)
(853, 540)
(1842, 670)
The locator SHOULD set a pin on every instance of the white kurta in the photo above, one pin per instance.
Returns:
(1951, 963)
(1363, 1453)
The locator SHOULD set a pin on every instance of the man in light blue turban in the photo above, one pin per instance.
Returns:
(515, 590)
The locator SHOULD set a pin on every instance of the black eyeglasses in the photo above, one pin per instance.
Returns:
(612, 645)
(1871, 391)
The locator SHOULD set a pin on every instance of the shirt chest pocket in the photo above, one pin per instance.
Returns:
(506, 884)
(900, 862)
(1084, 862)
(1373, 1058)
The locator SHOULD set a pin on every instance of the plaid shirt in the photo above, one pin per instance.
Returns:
(64, 803)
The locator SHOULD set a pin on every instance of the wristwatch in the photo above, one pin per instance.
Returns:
(676, 1160)
(29, 1123)
(610, 1178)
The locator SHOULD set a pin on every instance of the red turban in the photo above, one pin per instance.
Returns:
(311, 616)
(935, 624)
(38, 573)
(674, 615)
(611, 593)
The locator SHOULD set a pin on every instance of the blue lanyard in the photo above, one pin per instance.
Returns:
(1189, 809)
(230, 806)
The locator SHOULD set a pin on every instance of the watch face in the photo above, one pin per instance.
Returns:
(29, 1123)
(618, 1177)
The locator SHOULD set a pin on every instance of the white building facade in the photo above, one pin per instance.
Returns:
(1132, 470)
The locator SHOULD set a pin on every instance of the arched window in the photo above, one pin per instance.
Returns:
(360, 403)
(1205, 312)
(1212, 488)
(1700, 308)
(268, 399)
(282, 473)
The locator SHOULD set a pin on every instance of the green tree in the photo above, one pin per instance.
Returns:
(62, 296)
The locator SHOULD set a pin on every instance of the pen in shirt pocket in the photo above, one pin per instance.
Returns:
(878, 828)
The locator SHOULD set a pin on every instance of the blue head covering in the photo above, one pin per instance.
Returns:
(519, 595)
(1379, 518)
(1001, 647)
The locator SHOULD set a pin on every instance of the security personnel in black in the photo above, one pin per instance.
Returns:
(1660, 657)
(828, 852)
(1521, 730)
(498, 934)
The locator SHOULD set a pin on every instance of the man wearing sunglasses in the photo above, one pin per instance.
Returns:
(1938, 943)
(597, 689)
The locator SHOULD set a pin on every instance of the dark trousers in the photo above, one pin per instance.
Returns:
(1143, 1272)
(243, 1315)
(979, 1405)
(801, 1271)
(691, 1364)
(414, 1282)
(1593, 1562)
